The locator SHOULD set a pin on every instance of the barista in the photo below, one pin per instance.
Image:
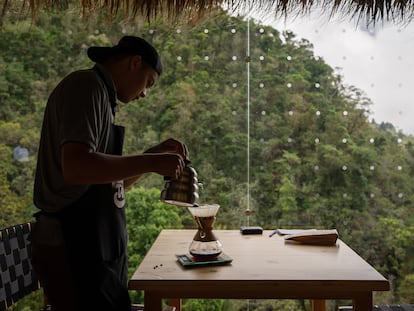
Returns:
(79, 240)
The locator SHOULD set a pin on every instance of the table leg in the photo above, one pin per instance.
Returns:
(363, 302)
(318, 305)
(152, 301)
(175, 302)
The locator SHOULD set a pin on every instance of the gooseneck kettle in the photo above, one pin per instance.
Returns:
(182, 191)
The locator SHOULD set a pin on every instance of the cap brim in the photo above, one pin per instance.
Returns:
(99, 54)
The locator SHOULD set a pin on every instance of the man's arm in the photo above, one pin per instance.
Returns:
(80, 165)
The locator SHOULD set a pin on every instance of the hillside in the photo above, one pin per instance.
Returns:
(313, 159)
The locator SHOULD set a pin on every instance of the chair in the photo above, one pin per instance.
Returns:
(17, 279)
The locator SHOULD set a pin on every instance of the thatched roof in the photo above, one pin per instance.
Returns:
(372, 11)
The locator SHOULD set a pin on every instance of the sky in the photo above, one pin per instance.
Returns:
(378, 61)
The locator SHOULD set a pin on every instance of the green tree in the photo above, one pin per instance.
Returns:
(146, 216)
(406, 291)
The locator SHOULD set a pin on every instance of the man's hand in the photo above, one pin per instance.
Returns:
(169, 164)
(170, 146)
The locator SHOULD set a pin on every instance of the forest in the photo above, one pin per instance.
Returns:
(276, 132)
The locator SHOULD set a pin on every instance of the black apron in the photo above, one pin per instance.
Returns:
(95, 236)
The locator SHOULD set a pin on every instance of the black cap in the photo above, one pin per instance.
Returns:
(128, 45)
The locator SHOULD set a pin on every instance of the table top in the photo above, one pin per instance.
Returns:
(262, 267)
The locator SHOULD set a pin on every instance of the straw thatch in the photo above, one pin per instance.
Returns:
(371, 11)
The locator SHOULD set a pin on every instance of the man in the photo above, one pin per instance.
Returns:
(79, 240)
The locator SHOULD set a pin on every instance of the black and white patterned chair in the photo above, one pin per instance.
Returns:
(16, 278)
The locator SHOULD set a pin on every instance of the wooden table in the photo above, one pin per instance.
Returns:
(262, 268)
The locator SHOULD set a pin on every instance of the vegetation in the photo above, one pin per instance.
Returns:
(314, 160)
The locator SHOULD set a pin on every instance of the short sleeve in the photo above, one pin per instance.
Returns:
(84, 111)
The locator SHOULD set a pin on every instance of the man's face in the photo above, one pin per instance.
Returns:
(138, 79)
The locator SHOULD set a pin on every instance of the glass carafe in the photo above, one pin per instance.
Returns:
(205, 245)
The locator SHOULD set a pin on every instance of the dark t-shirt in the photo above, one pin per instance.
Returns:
(78, 110)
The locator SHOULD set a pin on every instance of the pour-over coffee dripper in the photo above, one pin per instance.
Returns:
(205, 245)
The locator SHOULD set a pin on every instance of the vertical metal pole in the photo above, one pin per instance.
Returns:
(248, 119)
